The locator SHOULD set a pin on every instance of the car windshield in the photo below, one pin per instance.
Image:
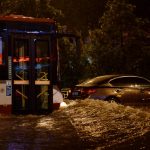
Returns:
(97, 81)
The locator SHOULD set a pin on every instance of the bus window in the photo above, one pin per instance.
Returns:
(21, 59)
(42, 59)
(1, 51)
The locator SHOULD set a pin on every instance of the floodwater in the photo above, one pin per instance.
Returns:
(51, 132)
(82, 124)
(103, 125)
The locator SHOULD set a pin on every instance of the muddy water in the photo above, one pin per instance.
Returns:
(87, 124)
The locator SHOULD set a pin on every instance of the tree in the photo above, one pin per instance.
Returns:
(5, 6)
(34, 8)
(69, 61)
(80, 15)
(117, 45)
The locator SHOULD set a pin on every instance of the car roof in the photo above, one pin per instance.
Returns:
(100, 79)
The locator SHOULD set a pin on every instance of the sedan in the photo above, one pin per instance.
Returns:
(118, 88)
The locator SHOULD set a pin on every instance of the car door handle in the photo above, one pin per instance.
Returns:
(118, 90)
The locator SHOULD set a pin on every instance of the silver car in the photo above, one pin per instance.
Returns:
(118, 88)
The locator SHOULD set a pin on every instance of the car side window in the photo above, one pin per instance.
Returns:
(141, 82)
(129, 81)
(123, 81)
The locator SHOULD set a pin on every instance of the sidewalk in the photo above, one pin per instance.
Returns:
(52, 132)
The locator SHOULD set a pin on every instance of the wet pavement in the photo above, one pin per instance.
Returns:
(83, 125)
(52, 132)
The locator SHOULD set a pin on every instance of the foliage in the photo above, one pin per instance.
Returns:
(117, 45)
(35, 8)
(80, 15)
(5, 6)
(69, 61)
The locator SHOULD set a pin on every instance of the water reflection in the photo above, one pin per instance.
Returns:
(53, 131)
(88, 124)
(109, 125)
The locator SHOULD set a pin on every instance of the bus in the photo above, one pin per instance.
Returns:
(28, 64)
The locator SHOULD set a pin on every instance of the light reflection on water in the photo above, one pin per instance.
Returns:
(53, 131)
(108, 124)
(25, 132)
(100, 125)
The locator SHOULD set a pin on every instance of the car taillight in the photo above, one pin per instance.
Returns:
(88, 91)
(91, 91)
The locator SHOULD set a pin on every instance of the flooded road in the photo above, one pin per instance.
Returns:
(111, 126)
(37, 133)
(87, 124)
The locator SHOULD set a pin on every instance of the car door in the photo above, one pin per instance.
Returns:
(145, 95)
(144, 85)
(126, 89)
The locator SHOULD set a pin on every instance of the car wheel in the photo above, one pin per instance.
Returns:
(113, 99)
